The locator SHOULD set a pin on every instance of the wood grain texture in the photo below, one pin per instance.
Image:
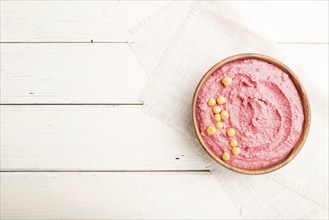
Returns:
(110, 20)
(112, 138)
(91, 138)
(106, 73)
(113, 196)
(70, 73)
(72, 21)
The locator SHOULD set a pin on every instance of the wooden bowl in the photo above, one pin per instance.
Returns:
(304, 100)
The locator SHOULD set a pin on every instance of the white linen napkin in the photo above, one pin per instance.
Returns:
(176, 46)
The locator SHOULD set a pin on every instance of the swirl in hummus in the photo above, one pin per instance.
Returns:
(265, 111)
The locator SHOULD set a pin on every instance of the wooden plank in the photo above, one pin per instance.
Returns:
(186, 195)
(72, 20)
(91, 138)
(285, 21)
(104, 73)
(70, 73)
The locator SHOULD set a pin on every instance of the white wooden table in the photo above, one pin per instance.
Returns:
(74, 143)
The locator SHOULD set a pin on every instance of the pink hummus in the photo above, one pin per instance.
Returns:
(264, 109)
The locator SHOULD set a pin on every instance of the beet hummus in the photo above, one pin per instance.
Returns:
(265, 113)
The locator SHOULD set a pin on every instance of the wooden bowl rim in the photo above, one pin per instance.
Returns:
(301, 92)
